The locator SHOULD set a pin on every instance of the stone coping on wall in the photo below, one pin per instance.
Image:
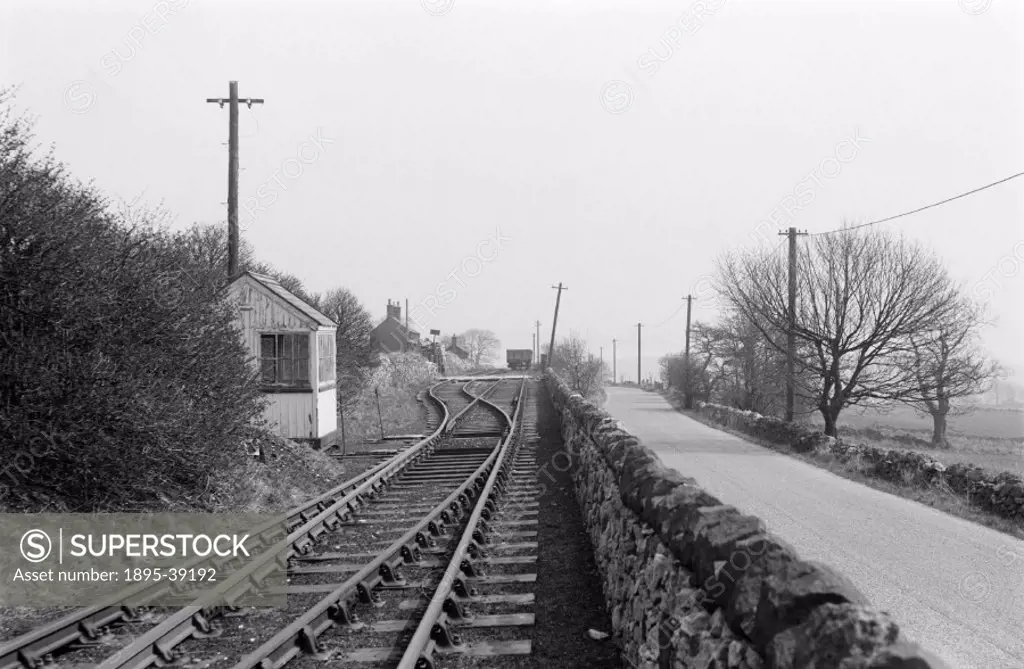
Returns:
(795, 613)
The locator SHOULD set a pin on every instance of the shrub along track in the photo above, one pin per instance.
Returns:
(435, 569)
(419, 474)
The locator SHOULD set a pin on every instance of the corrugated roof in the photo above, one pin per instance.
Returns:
(307, 309)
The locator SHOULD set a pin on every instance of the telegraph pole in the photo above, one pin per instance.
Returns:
(791, 330)
(232, 101)
(615, 373)
(537, 324)
(687, 399)
(554, 323)
(639, 381)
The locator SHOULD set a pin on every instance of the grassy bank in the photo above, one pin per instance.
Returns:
(938, 495)
(997, 454)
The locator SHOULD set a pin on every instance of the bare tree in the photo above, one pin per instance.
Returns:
(482, 345)
(949, 366)
(577, 366)
(731, 363)
(207, 248)
(861, 296)
(704, 366)
(753, 368)
(288, 281)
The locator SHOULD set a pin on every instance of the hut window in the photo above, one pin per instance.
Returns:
(284, 360)
(326, 353)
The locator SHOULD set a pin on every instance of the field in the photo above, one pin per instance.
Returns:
(979, 423)
(993, 440)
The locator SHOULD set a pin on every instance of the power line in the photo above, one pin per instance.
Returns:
(684, 304)
(908, 213)
(863, 225)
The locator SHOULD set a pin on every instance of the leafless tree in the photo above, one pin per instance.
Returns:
(949, 366)
(861, 295)
(577, 366)
(482, 345)
(207, 248)
(705, 364)
(731, 363)
(288, 281)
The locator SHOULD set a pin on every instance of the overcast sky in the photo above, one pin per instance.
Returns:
(617, 147)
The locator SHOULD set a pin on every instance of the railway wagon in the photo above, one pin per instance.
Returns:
(519, 358)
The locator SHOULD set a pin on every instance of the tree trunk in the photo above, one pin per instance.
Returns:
(830, 421)
(830, 412)
(939, 439)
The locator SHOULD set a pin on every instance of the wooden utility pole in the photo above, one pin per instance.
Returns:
(554, 323)
(537, 357)
(341, 415)
(615, 373)
(687, 399)
(791, 330)
(639, 380)
(376, 392)
(232, 101)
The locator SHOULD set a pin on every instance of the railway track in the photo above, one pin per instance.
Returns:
(387, 531)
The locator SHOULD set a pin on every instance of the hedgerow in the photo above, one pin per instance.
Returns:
(123, 381)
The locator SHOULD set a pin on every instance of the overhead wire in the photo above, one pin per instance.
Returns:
(870, 223)
(919, 209)
(682, 306)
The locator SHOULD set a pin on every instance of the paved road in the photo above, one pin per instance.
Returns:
(955, 587)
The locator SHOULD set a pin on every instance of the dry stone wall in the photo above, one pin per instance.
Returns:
(999, 493)
(692, 582)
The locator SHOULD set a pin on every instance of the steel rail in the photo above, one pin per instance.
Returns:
(301, 635)
(157, 644)
(420, 649)
(475, 399)
(29, 650)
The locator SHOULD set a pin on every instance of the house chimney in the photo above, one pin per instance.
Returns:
(394, 310)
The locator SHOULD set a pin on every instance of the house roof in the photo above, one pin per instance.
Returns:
(404, 331)
(305, 308)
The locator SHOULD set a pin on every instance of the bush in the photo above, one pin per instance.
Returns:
(403, 370)
(398, 379)
(122, 377)
(455, 365)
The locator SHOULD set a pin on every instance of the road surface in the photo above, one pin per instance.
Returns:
(955, 587)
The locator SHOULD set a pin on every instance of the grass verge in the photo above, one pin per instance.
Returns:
(997, 454)
(938, 496)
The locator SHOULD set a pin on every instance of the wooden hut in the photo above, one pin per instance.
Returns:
(293, 346)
